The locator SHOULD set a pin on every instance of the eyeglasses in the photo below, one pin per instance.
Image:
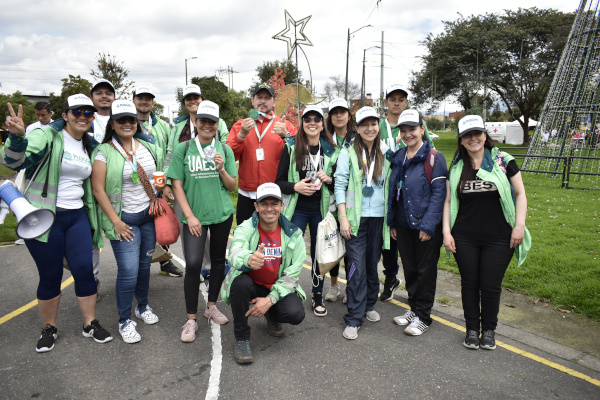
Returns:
(125, 120)
(316, 118)
(86, 113)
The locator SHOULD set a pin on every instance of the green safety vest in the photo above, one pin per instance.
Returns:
(160, 131)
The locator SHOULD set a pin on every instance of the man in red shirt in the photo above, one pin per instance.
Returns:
(257, 146)
(266, 255)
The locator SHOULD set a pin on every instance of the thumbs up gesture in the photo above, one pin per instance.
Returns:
(257, 259)
(280, 128)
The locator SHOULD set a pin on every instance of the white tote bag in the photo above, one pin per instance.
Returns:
(330, 245)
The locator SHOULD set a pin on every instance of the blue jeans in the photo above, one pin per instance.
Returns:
(301, 218)
(363, 252)
(133, 263)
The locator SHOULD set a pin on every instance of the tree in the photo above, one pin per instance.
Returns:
(15, 99)
(71, 85)
(114, 71)
(510, 56)
(158, 109)
(336, 87)
(267, 70)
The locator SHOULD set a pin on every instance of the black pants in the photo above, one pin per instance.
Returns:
(193, 251)
(390, 261)
(245, 208)
(482, 266)
(288, 310)
(419, 261)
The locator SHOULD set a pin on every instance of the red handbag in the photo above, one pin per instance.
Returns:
(165, 223)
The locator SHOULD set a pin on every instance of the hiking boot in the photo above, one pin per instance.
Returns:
(243, 353)
(488, 340)
(128, 331)
(169, 269)
(274, 328)
(333, 293)
(351, 332)
(46, 341)
(405, 318)
(188, 331)
(213, 313)
(317, 302)
(372, 316)
(147, 315)
(471, 340)
(96, 332)
(416, 327)
(388, 289)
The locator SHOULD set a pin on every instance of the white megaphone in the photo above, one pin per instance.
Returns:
(32, 222)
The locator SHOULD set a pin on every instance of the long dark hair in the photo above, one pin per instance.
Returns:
(468, 172)
(350, 131)
(301, 142)
(359, 145)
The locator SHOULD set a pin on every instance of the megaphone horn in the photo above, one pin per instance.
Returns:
(32, 222)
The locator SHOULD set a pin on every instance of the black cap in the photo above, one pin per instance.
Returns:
(264, 86)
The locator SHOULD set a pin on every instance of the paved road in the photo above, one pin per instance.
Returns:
(313, 360)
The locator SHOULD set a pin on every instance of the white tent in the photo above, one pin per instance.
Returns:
(514, 133)
(496, 130)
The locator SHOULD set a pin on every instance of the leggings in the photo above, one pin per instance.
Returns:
(194, 253)
(70, 237)
(482, 265)
(245, 208)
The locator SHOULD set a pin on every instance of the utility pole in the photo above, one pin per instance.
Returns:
(381, 79)
(348, 56)
(362, 84)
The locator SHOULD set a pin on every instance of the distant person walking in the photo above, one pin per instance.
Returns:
(43, 112)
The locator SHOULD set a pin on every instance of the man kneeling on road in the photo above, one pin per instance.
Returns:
(267, 254)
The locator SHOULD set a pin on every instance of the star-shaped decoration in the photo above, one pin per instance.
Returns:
(297, 29)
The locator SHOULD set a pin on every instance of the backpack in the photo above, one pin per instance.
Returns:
(430, 163)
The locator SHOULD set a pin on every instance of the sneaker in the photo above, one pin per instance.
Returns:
(345, 298)
(213, 313)
(188, 331)
(388, 289)
(128, 331)
(46, 341)
(333, 293)
(243, 353)
(96, 332)
(147, 316)
(19, 241)
(274, 328)
(169, 269)
(488, 340)
(317, 302)
(351, 332)
(97, 290)
(372, 316)
(471, 340)
(416, 327)
(405, 318)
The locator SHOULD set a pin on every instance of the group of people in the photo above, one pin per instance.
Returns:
(382, 179)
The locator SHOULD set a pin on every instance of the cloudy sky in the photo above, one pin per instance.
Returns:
(43, 42)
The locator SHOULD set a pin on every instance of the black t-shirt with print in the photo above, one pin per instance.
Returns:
(305, 203)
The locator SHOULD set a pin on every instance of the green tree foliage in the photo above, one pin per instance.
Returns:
(15, 99)
(114, 71)
(267, 70)
(510, 57)
(158, 109)
(70, 86)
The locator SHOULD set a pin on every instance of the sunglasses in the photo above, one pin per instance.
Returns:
(125, 120)
(316, 118)
(86, 113)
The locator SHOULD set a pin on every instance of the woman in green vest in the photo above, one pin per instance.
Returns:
(483, 225)
(305, 177)
(123, 183)
(360, 193)
(57, 163)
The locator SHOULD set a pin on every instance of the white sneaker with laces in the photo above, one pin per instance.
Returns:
(333, 293)
(405, 318)
(351, 332)
(147, 316)
(416, 327)
(373, 316)
(128, 332)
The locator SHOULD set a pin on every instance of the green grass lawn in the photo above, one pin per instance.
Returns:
(563, 265)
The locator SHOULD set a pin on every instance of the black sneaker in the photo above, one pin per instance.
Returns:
(471, 340)
(488, 340)
(96, 332)
(243, 353)
(274, 328)
(169, 269)
(47, 338)
(317, 301)
(388, 289)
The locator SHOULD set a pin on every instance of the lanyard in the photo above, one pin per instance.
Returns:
(335, 138)
(263, 133)
(148, 130)
(192, 130)
(370, 170)
(130, 158)
(315, 161)
(102, 129)
(210, 150)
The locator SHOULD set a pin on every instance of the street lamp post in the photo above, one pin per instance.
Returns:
(363, 84)
(348, 55)
(186, 60)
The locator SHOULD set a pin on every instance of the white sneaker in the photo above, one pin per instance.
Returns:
(416, 327)
(345, 298)
(333, 293)
(351, 332)
(373, 316)
(405, 318)
(128, 332)
(188, 331)
(147, 316)
(19, 241)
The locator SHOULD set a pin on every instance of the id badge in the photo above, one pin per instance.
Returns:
(260, 154)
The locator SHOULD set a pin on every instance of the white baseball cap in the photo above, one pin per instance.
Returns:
(396, 86)
(79, 100)
(470, 123)
(410, 118)
(267, 190)
(102, 82)
(208, 109)
(191, 89)
(122, 108)
(364, 113)
(143, 90)
(339, 102)
(316, 109)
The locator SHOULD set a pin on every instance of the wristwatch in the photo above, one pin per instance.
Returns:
(272, 298)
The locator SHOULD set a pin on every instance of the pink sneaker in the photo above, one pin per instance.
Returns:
(213, 313)
(188, 331)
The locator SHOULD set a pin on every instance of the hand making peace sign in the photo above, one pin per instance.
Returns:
(14, 122)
